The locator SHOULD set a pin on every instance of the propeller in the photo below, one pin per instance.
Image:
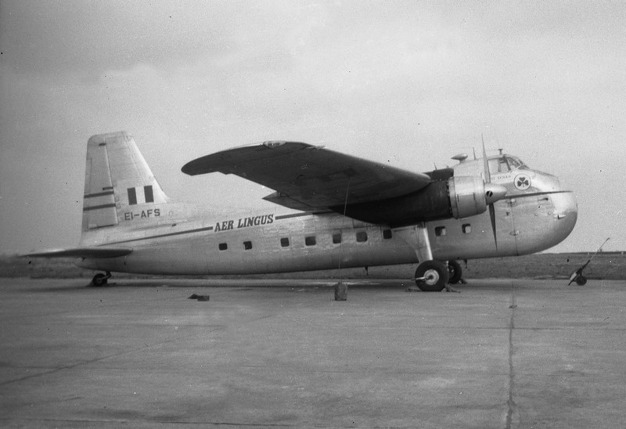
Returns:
(493, 193)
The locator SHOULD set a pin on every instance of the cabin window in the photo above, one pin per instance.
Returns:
(467, 228)
(247, 245)
(336, 238)
(284, 242)
(440, 231)
(361, 236)
(310, 240)
(387, 234)
(223, 246)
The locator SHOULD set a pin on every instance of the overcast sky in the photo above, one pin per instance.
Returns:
(409, 82)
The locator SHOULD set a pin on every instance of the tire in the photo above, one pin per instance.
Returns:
(99, 280)
(455, 272)
(431, 276)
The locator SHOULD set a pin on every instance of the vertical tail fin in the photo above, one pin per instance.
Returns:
(117, 177)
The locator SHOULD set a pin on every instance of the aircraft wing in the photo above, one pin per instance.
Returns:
(310, 177)
(82, 252)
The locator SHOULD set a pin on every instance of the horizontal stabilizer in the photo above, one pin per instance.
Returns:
(82, 252)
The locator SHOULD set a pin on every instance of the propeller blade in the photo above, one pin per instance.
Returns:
(486, 162)
(492, 215)
(499, 192)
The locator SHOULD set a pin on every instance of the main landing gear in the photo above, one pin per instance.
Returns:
(455, 272)
(431, 276)
(435, 276)
(100, 279)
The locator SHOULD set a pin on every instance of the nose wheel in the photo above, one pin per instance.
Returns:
(431, 276)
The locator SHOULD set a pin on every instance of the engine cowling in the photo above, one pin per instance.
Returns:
(470, 196)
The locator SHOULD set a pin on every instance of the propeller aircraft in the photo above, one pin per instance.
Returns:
(336, 211)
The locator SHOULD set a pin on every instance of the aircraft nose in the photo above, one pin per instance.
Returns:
(566, 211)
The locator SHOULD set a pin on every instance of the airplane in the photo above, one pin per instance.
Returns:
(336, 211)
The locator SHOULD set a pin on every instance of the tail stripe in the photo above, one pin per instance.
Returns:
(103, 206)
(132, 196)
(99, 194)
(135, 195)
(147, 191)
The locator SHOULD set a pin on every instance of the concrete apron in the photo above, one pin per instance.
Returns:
(500, 354)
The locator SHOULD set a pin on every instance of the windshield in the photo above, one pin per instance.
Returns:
(515, 162)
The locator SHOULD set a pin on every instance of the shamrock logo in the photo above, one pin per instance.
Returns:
(522, 182)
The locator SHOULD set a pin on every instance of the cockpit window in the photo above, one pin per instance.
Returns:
(515, 162)
(504, 164)
(498, 165)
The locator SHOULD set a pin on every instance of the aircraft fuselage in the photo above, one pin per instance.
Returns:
(536, 214)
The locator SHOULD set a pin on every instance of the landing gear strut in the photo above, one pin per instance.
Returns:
(100, 279)
(431, 275)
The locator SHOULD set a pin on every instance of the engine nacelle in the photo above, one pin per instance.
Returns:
(456, 197)
(470, 196)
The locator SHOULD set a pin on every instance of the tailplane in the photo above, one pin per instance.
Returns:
(118, 182)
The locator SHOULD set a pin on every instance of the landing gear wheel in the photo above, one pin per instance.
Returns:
(431, 276)
(455, 272)
(100, 279)
(581, 280)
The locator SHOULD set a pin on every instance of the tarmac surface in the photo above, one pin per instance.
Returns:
(139, 353)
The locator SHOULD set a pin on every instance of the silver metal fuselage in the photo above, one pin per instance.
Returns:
(535, 215)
